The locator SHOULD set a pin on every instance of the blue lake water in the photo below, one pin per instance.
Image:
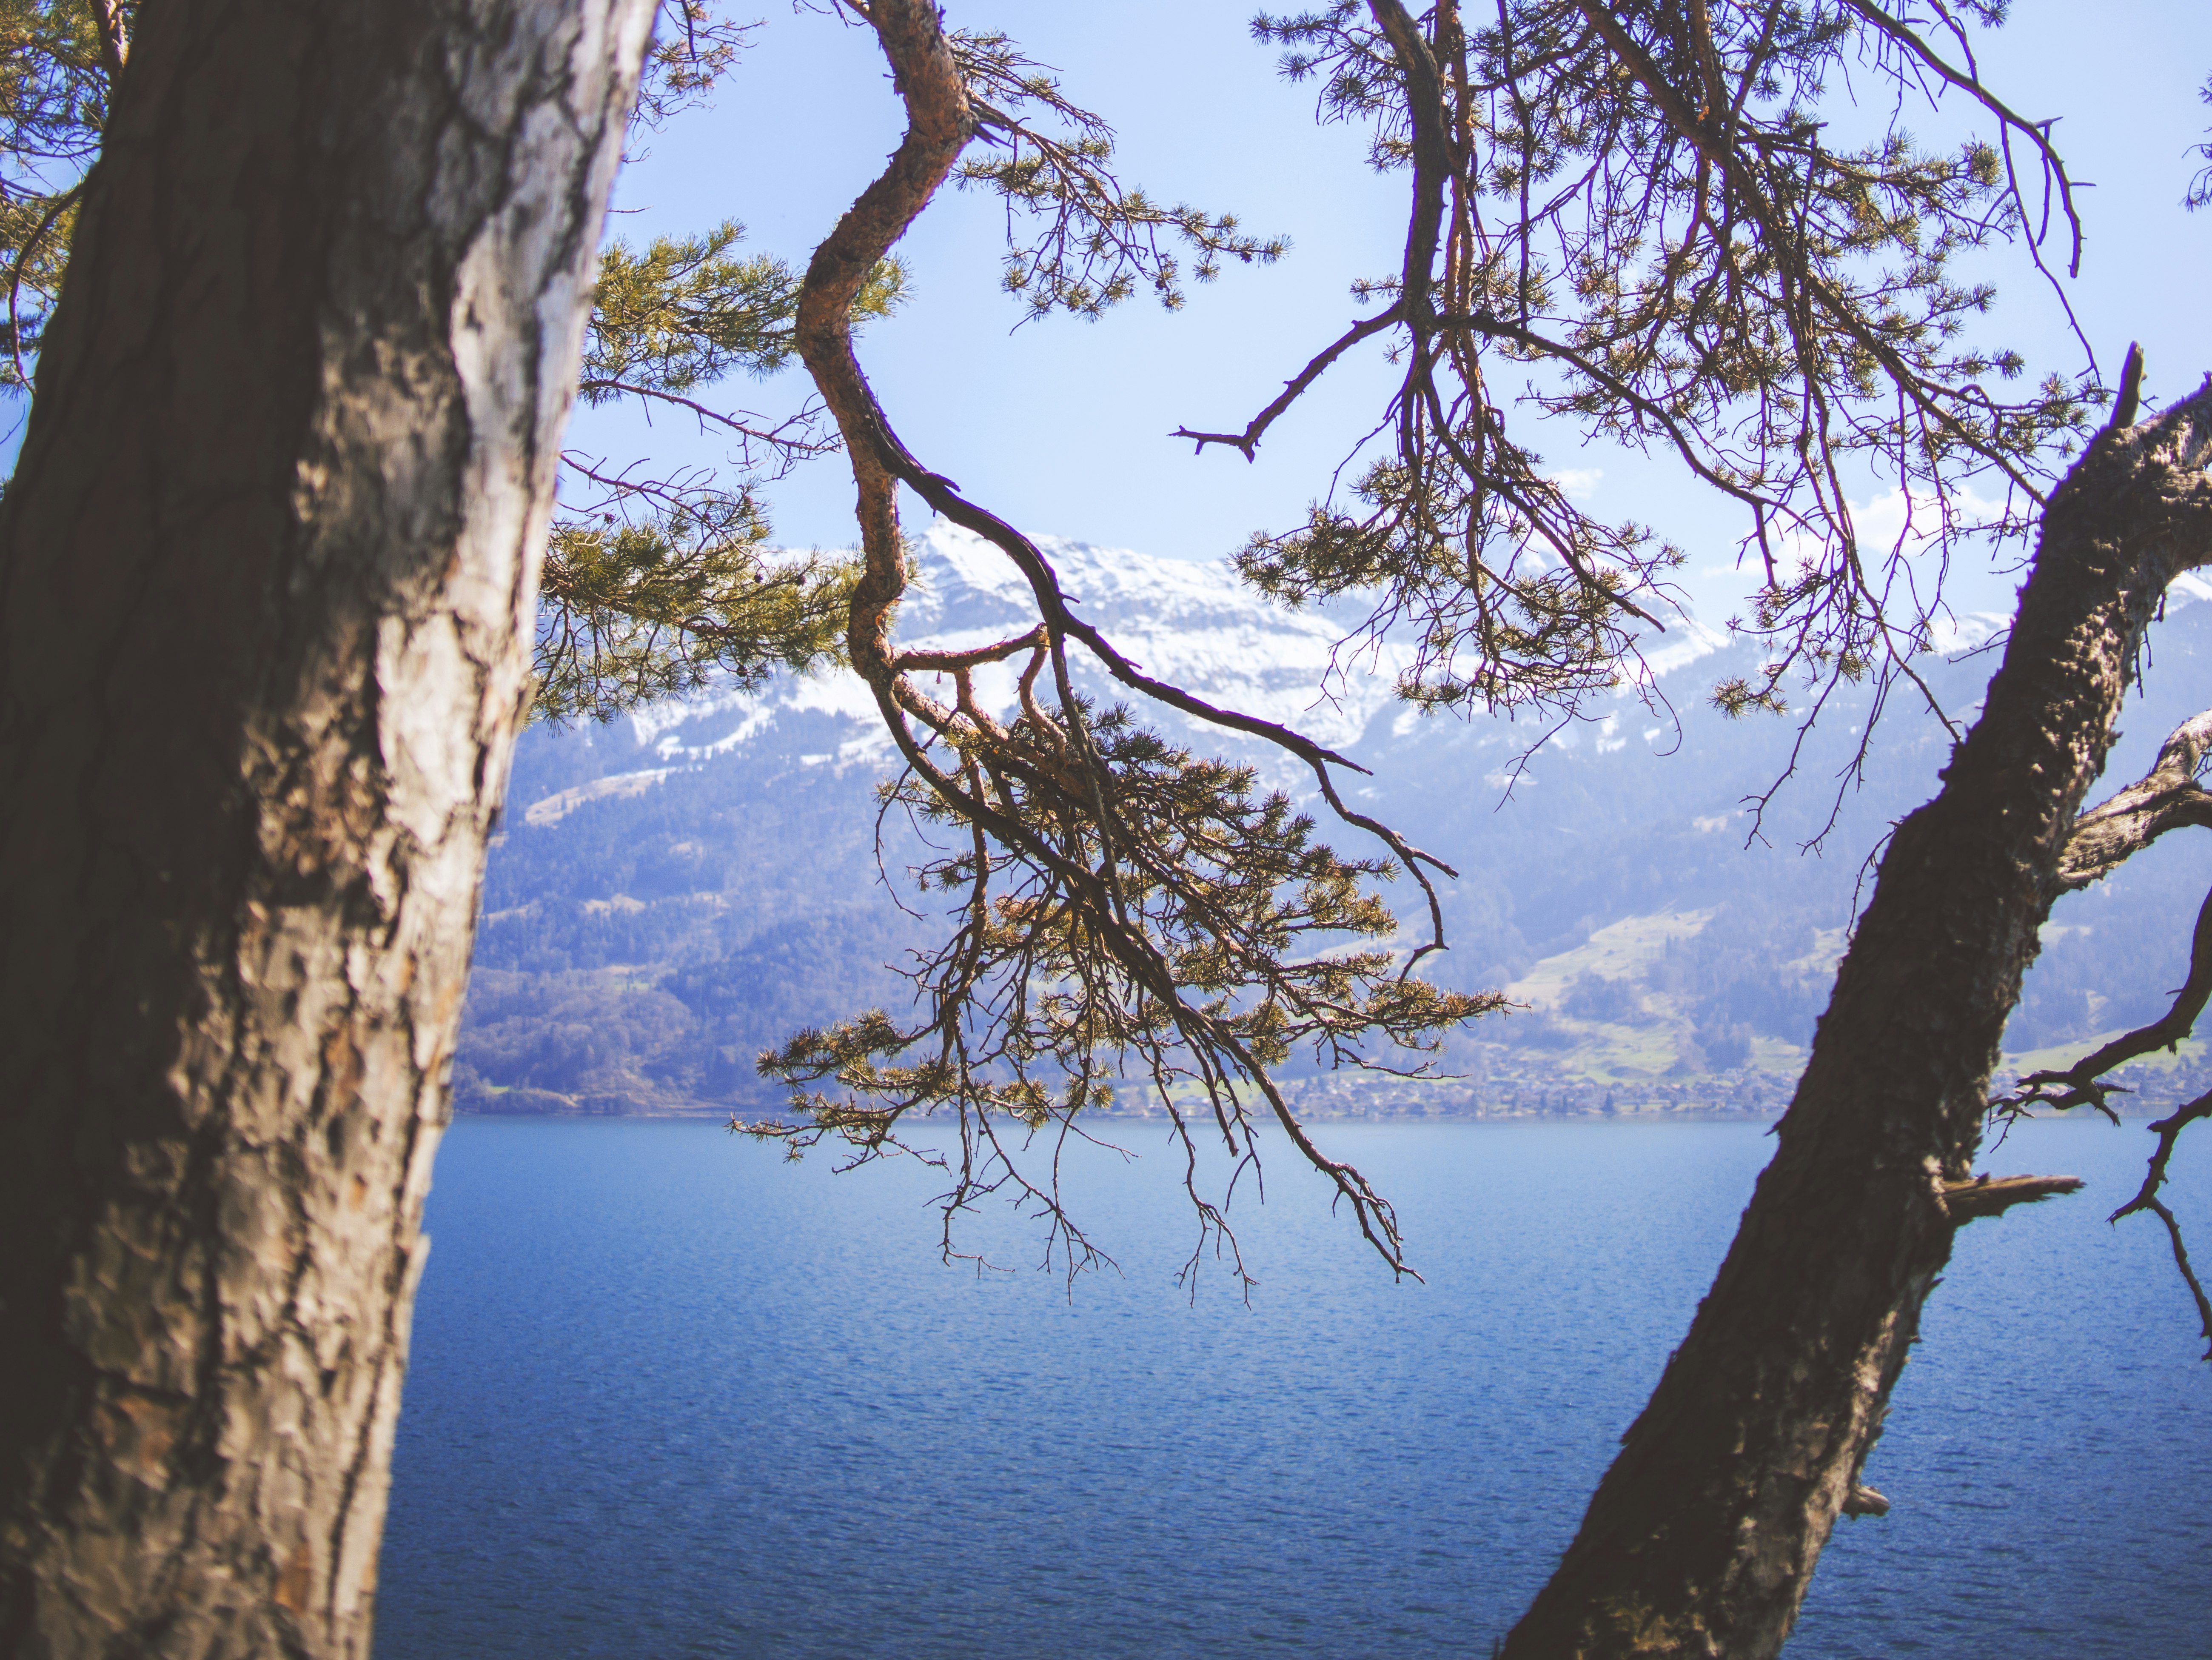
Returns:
(671, 1396)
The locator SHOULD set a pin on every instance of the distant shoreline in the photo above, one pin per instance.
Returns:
(598, 1108)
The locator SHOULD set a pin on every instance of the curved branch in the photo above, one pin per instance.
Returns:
(2168, 797)
(947, 662)
(2081, 1084)
(1147, 911)
(2188, 1274)
(2169, 1131)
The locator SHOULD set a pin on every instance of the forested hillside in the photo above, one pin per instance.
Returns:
(677, 892)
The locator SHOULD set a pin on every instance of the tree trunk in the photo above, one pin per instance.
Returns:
(267, 570)
(1702, 1537)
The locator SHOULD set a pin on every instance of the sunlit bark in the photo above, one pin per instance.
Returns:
(266, 567)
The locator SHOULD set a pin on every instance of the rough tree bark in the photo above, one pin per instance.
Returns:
(1702, 1538)
(265, 571)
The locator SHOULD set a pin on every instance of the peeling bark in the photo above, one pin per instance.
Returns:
(267, 570)
(1702, 1536)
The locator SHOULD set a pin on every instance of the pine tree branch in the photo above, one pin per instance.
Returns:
(1141, 903)
(1969, 81)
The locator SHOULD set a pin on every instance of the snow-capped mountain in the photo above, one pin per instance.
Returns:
(681, 888)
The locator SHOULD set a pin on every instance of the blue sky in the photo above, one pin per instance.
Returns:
(1061, 426)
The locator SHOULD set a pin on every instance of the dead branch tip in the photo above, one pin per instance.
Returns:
(1968, 1201)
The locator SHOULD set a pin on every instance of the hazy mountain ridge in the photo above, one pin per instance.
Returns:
(678, 890)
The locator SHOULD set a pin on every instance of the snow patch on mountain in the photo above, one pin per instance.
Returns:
(1686, 642)
(1192, 626)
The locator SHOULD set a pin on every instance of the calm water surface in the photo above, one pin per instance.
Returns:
(673, 1397)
